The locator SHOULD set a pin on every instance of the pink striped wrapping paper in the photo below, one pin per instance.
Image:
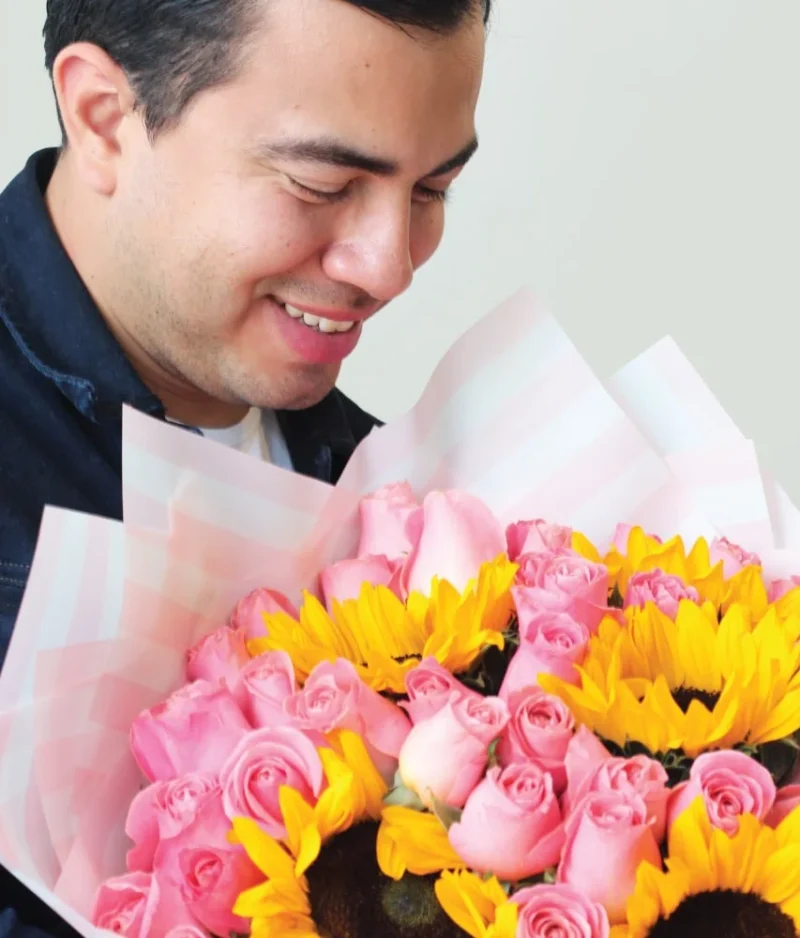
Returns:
(512, 414)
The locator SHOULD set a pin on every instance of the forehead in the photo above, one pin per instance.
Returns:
(327, 67)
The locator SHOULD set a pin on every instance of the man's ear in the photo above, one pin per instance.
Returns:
(94, 97)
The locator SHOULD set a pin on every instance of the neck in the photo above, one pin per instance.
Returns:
(81, 227)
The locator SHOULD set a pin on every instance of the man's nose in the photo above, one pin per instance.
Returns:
(375, 254)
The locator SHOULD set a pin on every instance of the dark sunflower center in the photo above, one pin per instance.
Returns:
(725, 914)
(351, 898)
(683, 696)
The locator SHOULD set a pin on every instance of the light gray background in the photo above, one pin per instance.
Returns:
(639, 168)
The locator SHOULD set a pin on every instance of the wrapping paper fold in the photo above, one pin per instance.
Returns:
(512, 414)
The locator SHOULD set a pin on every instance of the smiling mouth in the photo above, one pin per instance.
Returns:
(317, 323)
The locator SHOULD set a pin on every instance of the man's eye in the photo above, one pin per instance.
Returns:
(426, 194)
(316, 195)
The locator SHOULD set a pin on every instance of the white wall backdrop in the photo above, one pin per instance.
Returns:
(640, 167)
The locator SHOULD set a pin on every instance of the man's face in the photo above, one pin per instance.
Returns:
(314, 179)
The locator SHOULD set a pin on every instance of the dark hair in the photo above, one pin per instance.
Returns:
(171, 50)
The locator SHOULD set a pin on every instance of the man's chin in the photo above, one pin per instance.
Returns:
(299, 392)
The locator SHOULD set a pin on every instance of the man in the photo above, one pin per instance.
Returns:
(242, 184)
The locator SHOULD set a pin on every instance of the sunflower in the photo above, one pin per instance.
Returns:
(717, 886)
(690, 685)
(386, 638)
(478, 905)
(645, 554)
(325, 879)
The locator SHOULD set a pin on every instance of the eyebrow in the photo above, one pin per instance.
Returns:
(331, 152)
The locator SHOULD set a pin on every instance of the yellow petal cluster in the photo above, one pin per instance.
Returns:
(479, 906)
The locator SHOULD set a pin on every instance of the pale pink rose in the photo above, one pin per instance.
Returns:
(218, 658)
(265, 684)
(780, 588)
(429, 687)
(786, 800)
(335, 698)
(608, 836)
(731, 784)
(213, 878)
(511, 825)
(188, 931)
(261, 765)
(164, 810)
(562, 581)
(558, 911)
(248, 616)
(733, 557)
(663, 589)
(540, 730)
(345, 580)
(391, 522)
(459, 535)
(207, 871)
(121, 903)
(534, 537)
(550, 643)
(445, 756)
(585, 755)
(195, 730)
(637, 775)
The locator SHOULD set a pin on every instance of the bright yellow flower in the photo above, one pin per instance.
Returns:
(415, 842)
(386, 638)
(479, 906)
(745, 884)
(280, 907)
(693, 684)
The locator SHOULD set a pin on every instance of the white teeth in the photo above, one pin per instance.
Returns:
(318, 322)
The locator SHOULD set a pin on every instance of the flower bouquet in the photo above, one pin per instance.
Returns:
(264, 706)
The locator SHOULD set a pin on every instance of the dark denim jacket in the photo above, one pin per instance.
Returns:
(63, 381)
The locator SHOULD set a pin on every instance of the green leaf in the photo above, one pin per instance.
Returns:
(493, 760)
(550, 876)
(447, 814)
(403, 797)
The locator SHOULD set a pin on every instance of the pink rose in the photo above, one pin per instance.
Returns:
(663, 589)
(445, 756)
(780, 588)
(550, 643)
(265, 684)
(207, 871)
(164, 810)
(260, 766)
(391, 522)
(213, 878)
(248, 616)
(195, 730)
(731, 784)
(345, 580)
(218, 658)
(459, 535)
(540, 730)
(335, 698)
(511, 825)
(188, 931)
(140, 905)
(562, 581)
(558, 911)
(536, 537)
(429, 687)
(637, 775)
(786, 800)
(732, 557)
(121, 903)
(585, 755)
(608, 837)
